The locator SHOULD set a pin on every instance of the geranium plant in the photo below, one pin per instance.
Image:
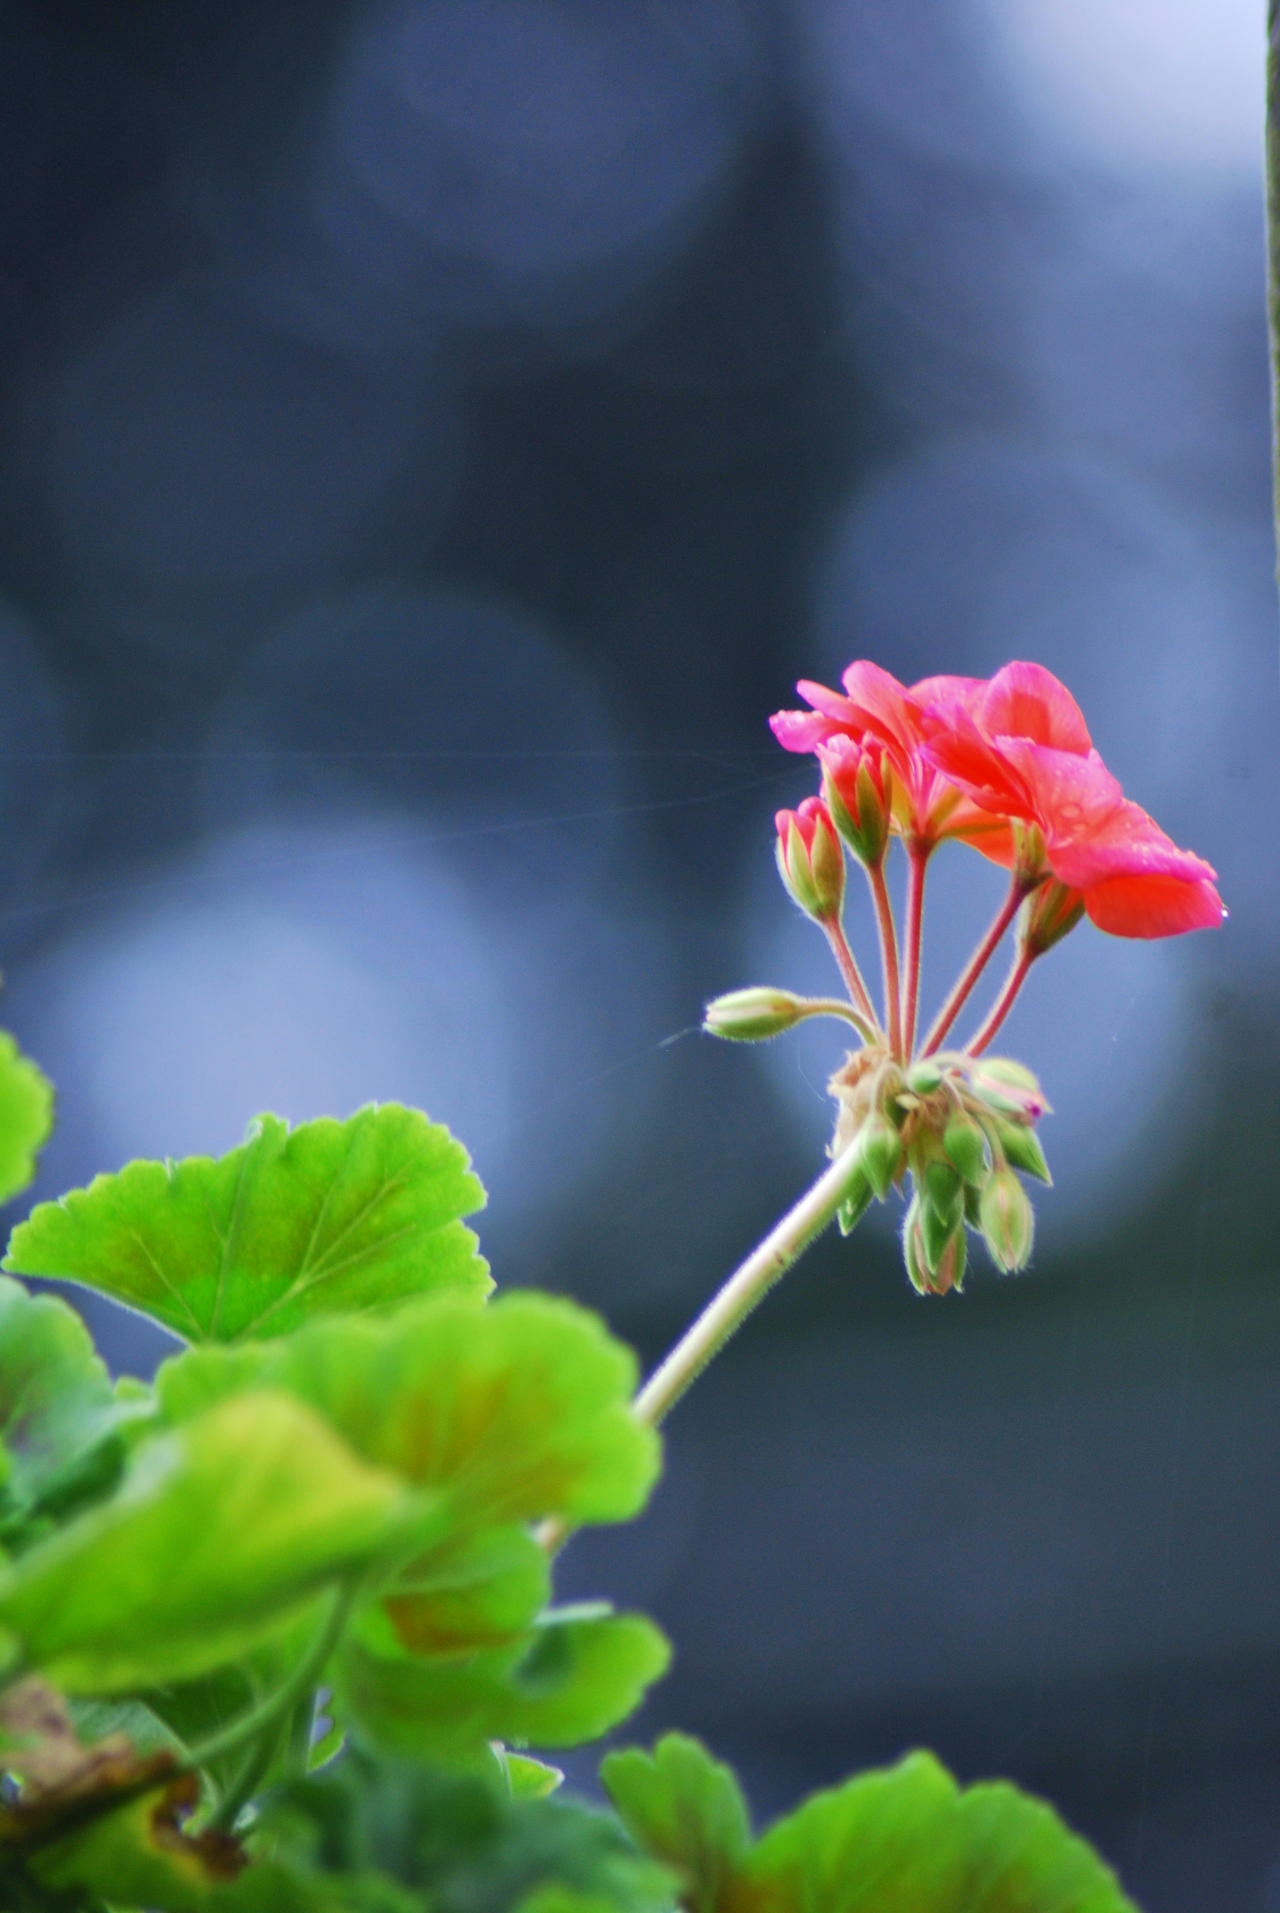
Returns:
(277, 1629)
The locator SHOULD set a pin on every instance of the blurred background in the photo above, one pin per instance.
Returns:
(434, 435)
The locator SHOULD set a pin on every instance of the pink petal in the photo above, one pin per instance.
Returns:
(802, 730)
(1153, 906)
(1071, 795)
(1127, 843)
(882, 704)
(1025, 700)
(963, 692)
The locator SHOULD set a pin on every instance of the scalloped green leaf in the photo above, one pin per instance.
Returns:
(513, 1411)
(566, 1682)
(57, 1406)
(685, 1809)
(26, 1116)
(328, 1218)
(908, 1836)
(219, 1535)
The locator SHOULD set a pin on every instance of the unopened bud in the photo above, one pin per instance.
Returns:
(810, 860)
(1009, 1088)
(943, 1189)
(750, 1016)
(853, 785)
(1048, 915)
(880, 1156)
(1022, 1149)
(966, 1148)
(1008, 1223)
(923, 1078)
(948, 1272)
(936, 1231)
(857, 1200)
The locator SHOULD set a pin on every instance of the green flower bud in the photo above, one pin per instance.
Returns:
(880, 1156)
(966, 1148)
(949, 1271)
(942, 1189)
(750, 1016)
(1021, 1146)
(1048, 915)
(857, 1201)
(924, 1077)
(936, 1231)
(810, 860)
(1008, 1224)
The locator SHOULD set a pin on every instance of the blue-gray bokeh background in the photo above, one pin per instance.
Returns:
(434, 434)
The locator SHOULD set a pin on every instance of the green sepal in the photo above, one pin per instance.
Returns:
(943, 1190)
(858, 1197)
(965, 1147)
(880, 1152)
(328, 1218)
(565, 1682)
(685, 1809)
(26, 1116)
(1022, 1149)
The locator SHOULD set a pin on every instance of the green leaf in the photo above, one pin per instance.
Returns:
(330, 1218)
(138, 1855)
(483, 1592)
(514, 1411)
(461, 1842)
(57, 1407)
(566, 1683)
(687, 1810)
(218, 1536)
(908, 1837)
(26, 1116)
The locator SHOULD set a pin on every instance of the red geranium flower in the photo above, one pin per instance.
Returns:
(1020, 749)
(876, 710)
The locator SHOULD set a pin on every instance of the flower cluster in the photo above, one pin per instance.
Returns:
(1007, 766)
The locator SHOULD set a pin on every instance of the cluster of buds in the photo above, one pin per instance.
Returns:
(962, 1129)
(1007, 767)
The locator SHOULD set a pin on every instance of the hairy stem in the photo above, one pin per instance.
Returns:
(836, 1006)
(918, 855)
(964, 985)
(261, 1726)
(729, 1308)
(888, 954)
(848, 965)
(1004, 1002)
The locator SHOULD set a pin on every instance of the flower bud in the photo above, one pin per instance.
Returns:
(936, 1231)
(1022, 1148)
(949, 1270)
(1048, 915)
(853, 785)
(1008, 1224)
(924, 1077)
(810, 860)
(880, 1156)
(966, 1147)
(1005, 1086)
(750, 1016)
(943, 1190)
(857, 1200)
